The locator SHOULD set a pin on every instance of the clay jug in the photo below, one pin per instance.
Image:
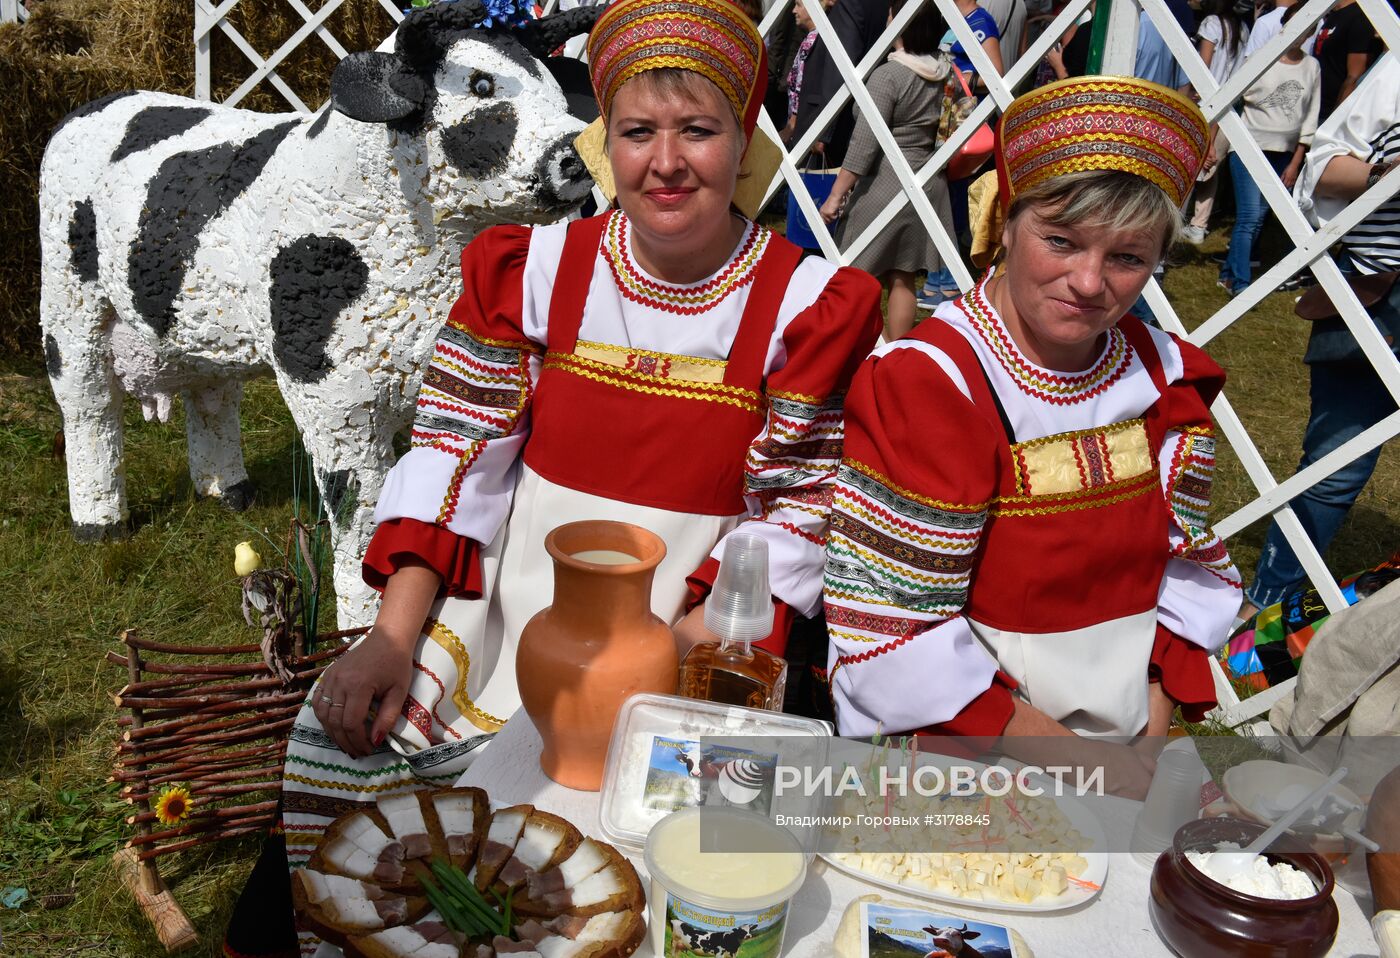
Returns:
(598, 643)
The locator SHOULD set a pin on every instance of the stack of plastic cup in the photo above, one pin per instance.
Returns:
(740, 607)
(1173, 799)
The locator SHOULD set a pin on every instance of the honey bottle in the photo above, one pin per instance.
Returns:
(739, 611)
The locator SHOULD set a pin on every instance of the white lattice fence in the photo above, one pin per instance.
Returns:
(209, 17)
(13, 11)
(1310, 246)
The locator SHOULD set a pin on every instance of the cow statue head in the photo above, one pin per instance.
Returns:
(495, 115)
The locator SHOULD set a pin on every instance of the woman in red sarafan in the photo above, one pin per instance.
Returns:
(1019, 541)
(668, 363)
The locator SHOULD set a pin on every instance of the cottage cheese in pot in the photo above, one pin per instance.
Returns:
(1264, 879)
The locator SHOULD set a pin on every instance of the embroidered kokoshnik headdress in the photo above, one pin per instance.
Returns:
(713, 38)
(1093, 123)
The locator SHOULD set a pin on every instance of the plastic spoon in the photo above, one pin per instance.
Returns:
(1229, 863)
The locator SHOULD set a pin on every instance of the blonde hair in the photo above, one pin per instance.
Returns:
(1111, 199)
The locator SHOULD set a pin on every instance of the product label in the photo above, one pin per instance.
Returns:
(686, 774)
(891, 932)
(694, 931)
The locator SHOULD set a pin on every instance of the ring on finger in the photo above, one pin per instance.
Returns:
(337, 705)
(328, 699)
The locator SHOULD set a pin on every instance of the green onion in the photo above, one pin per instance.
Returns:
(451, 912)
(460, 887)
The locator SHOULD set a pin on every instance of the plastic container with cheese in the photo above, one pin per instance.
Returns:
(670, 753)
(714, 902)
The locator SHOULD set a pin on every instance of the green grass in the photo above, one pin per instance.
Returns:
(66, 604)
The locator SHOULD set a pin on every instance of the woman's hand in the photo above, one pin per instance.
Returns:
(379, 669)
(835, 203)
(831, 209)
(1056, 58)
(1290, 175)
(690, 631)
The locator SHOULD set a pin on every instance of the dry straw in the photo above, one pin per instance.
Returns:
(74, 51)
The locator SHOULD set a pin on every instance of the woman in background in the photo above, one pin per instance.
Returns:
(939, 284)
(908, 92)
(1280, 110)
(1222, 36)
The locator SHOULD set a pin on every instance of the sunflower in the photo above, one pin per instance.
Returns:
(174, 804)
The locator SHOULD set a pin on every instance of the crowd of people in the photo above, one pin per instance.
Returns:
(938, 501)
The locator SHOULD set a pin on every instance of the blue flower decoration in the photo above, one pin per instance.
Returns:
(507, 13)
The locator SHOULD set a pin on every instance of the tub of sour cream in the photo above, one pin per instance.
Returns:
(715, 901)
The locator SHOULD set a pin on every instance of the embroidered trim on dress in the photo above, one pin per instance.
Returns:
(651, 363)
(1029, 378)
(456, 649)
(686, 300)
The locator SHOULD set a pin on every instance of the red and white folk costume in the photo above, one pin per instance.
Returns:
(1061, 551)
(1002, 529)
(585, 388)
(568, 384)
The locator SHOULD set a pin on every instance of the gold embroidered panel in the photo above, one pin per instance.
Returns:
(1088, 461)
(662, 365)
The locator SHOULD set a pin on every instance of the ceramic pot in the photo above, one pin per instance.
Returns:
(1201, 918)
(595, 646)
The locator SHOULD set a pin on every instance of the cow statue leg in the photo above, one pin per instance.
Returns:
(212, 434)
(349, 491)
(77, 322)
(80, 372)
(350, 440)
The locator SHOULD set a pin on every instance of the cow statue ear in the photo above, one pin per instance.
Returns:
(545, 35)
(376, 87)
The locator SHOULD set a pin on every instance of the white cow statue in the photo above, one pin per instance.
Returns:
(188, 247)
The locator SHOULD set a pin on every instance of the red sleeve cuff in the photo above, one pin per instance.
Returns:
(455, 558)
(702, 580)
(1183, 668)
(987, 715)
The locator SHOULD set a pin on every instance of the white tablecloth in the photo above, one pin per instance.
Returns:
(1114, 924)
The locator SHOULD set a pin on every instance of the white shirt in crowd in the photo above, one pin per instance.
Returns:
(1366, 126)
(1223, 62)
(1269, 26)
(1281, 107)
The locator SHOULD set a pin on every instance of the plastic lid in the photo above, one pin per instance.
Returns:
(740, 606)
(658, 764)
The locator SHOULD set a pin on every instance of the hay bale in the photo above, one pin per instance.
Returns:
(73, 51)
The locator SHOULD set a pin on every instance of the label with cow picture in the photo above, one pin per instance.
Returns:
(688, 774)
(695, 931)
(893, 932)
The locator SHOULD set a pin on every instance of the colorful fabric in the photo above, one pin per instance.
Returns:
(713, 38)
(794, 77)
(1268, 649)
(1101, 123)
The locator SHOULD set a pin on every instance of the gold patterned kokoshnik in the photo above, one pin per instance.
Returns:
(1089, 460)
(713, 38)
(1102, 123)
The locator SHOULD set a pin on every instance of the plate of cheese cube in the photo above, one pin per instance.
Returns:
(1007, 853)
